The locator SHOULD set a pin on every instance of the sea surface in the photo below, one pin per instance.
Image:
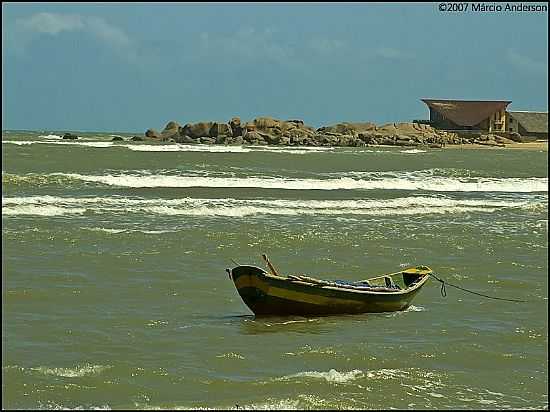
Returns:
(115, 293)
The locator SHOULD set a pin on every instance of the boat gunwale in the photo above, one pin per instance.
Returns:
(425, 273)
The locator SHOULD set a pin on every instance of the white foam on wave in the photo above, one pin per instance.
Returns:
(106, 230)
(411, 182)
(273, 405)
(76, 372)
(268, 404)
(186, 148)
(301, 402)
(542, 224)
(211, 148)
(413, 151)
(388, 374)
(41, 210)
(20, 142)
(293, 149)
(332, 376)
(413, 308)
(221, 148)
(173, 147)
(51, 137)
(51, 405)
(61, 143)
(117, 231)
(231, 207)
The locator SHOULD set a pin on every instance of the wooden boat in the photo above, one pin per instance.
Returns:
(272, 294)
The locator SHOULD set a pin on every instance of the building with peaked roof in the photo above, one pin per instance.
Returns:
(528, 123)
(463, 115)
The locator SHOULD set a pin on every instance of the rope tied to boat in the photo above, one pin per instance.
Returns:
(444, 291)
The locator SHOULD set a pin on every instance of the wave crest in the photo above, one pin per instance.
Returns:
(399, 181)
(76, 372)
(231, 207)
(332, 376)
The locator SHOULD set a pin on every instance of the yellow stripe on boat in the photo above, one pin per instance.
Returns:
(284, 293)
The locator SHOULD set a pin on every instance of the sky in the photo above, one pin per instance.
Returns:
(132, 66)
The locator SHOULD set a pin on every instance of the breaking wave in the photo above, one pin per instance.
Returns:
(171, 147)
(332, 376)
(373, 181)
(230, 207)
(413, 151)
(117, 231)
(54, 141)
(76, 372)
(51, 137)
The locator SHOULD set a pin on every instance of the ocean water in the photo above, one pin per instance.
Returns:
(115, 294)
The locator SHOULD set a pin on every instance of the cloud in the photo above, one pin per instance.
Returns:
(50, 23)
(326, 46)
(53, 24)
(250, 45)
(107, 33)
(247, 43)
(391, 53)
(525, 63)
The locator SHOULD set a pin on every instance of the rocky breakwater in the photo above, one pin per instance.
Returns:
(391, 134)
(270, 131)
(260, 131)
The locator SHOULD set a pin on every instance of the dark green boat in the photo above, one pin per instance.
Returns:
(271, 294)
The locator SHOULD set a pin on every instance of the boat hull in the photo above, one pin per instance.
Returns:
(268, 295)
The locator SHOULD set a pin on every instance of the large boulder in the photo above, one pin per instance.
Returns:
(207, 140)
(296, 122)
(170, 131)
(515, 136)
(196, 130)
(220, 129)
(264, 123)
(368, 137)
(298, 133)
(237, 140)
(280, 132)
(172, 125)
(253, 137)
(345, 128)
(235, 125)
(505, 140)
(271, 125)
(152, 133)
(249, 127)
(326, 139)
(185, 139)
(404, 140)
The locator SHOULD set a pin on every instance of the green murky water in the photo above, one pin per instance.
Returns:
(115, 295)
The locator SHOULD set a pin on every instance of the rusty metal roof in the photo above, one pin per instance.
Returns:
(532, 122)
(466, 112)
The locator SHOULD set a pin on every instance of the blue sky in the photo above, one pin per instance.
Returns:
(129, 67)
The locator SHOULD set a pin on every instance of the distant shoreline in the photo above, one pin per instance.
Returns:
(538, 145)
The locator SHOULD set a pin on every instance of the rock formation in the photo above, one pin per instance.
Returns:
(269, 131)
(152, 133)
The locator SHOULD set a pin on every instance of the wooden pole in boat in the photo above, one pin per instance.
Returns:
(270, 266)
